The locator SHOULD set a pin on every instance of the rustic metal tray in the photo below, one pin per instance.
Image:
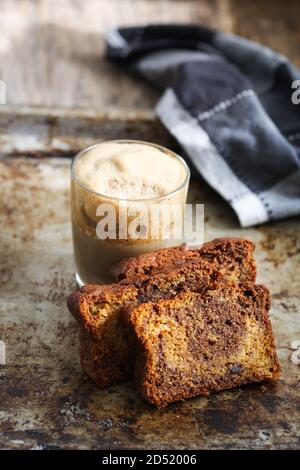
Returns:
(45, 399)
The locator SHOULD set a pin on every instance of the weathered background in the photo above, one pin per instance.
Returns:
(51, 55)
(51, 50)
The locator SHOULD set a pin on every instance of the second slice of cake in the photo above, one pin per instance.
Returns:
(195, 344)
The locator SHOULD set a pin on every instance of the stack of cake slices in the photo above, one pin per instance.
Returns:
(180, 322)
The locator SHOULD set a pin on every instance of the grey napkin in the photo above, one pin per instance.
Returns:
(228, 102)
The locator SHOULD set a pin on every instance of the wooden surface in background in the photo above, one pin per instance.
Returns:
(51, 51)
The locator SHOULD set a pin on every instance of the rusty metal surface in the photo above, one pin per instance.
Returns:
(45, 400)
(50, 132)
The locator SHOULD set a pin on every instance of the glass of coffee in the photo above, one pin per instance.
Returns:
(127, 198)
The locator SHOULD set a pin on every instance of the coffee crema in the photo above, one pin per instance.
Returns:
(126, 170)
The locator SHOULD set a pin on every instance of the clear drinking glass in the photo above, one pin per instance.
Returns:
(95, 256)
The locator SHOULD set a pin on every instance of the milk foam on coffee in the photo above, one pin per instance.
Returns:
(130, 171)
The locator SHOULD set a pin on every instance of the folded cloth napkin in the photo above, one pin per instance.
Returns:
(228, 102)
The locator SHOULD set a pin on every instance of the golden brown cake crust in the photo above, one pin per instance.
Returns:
(219, 251)
(196, 344)
(106, 348)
